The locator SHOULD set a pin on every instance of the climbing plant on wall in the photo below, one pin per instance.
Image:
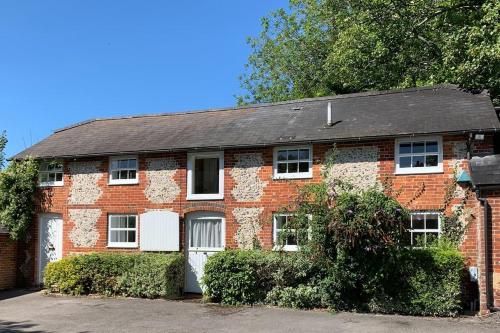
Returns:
(17, 194)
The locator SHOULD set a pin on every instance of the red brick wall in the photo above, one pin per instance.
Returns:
(418, 192)
(493, 269)
(8, 257)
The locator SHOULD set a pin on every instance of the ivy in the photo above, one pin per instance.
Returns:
(18, 188)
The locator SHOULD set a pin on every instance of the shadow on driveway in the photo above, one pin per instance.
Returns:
(6, 294)
(22, 326)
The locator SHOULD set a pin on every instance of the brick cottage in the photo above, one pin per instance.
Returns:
(203, 181)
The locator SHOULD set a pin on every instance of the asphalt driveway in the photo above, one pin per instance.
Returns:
(35, 312)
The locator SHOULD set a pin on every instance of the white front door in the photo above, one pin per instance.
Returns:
(204, 236)
(50, 244)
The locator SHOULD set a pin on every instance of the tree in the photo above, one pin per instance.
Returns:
(327, 47)
(17, 193)
(3, 143)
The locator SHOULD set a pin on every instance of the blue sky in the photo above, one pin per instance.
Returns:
(66, 61)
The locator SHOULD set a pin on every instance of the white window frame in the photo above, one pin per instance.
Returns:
(286, 248)
(123, 244)
(112, 181)
(49, 183)
(296, 175)
(425, 230)
(190, 174)
(420, 170)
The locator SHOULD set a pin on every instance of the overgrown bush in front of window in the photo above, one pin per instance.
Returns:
(425, 281)
(245, 277)
(357, 258)
(148, 275)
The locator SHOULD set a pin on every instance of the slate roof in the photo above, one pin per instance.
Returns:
(485, 171)
(439, 109)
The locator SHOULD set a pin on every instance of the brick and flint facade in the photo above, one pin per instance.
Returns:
(252, 190)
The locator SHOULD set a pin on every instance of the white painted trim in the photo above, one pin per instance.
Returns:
(423, 170)
(190, 171)
(298, 175)
(51, 184)
(438, 230)
(123, 244)
(287, 248)
(123, 181)
(54, 183)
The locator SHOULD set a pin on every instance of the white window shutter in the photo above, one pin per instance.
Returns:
(159, 231)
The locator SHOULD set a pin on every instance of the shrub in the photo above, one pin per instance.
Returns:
(300, 297)
(244, 277)
(154, 276)
(408, 281)
(424, 282)
(141, 275)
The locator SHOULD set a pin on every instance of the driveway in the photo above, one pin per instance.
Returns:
(34, 312)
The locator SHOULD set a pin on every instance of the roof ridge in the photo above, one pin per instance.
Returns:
(268, 104)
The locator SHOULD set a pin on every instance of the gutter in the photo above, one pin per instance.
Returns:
(283, 142)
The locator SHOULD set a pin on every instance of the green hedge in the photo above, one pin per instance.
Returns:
(245, 277)
(148, 275)
(412, 281)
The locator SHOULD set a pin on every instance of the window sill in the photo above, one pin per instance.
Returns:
(122, 246)
(287, 248)
(298, 176)
(417, 172)
(51, 184)
(193, 197)
(134, 182)
(206, 249)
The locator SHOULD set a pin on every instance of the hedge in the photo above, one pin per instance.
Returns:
(413, 281)
(150, 275)
(245, 277)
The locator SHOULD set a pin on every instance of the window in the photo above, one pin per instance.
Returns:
(123, 170)
(286, 238)
(205, 176)
(424, 228)
(292, 162)
(50, 174)
(419, 155)
(122, 231)
(206, 233)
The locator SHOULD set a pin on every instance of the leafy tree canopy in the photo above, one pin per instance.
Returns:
(3, 143)
(326, 47)
(17, 193)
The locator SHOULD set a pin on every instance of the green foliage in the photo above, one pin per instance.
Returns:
(355, 258)
(18, 186)
(154, 276)
(369, 220)
(245, 277)
(300, 297)
(326, 47)
(3, 143)
(424, 281)
(139, 275)
(452, 228)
